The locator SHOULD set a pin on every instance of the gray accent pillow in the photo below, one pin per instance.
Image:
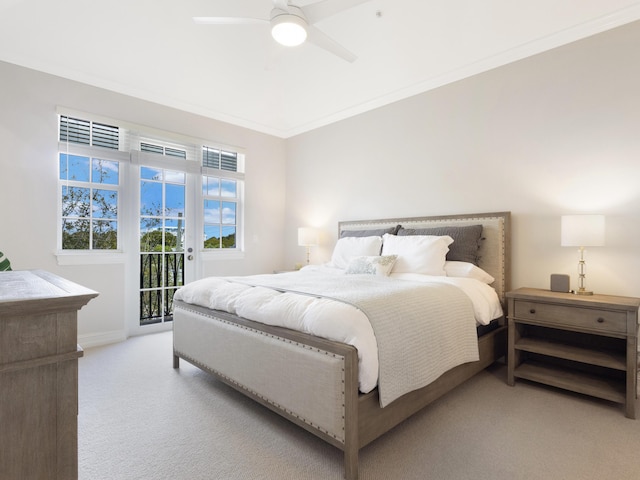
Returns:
(466, 240)
(375, 232)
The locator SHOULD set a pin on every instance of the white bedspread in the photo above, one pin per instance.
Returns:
(323, 317)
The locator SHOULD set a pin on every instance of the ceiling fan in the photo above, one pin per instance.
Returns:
(292, 25)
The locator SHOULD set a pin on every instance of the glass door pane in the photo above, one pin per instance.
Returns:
(162, 238)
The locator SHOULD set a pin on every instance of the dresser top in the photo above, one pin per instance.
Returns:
(27, 290)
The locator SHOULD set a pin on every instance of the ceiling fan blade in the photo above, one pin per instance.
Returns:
(228, 20)
(322, 40)
(326, 8)
(281, 4)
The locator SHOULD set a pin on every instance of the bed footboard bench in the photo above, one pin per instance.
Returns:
(318, 392)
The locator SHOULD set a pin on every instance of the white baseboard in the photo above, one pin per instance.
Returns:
(103, 338)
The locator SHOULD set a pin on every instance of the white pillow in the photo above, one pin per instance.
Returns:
(423, 254)
(348, 247)
(467, 270)
(380, 265)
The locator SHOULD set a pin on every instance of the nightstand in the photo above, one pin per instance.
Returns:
(586, 344)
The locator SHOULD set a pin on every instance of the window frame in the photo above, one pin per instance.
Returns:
(91, 255)
(129, 148)
(238, 200)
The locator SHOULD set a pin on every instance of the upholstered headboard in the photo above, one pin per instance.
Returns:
(495, 247)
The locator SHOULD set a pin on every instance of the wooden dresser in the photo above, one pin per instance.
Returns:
(39, 375)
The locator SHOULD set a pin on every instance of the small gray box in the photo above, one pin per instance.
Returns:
(560, 282)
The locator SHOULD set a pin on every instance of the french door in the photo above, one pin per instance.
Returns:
(165, 258)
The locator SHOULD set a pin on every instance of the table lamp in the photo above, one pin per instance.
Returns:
(582, 231)
(307, 237)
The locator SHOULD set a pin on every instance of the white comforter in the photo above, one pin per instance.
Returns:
(323, 317)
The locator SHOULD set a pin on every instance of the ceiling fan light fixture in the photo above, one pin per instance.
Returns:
(289, 30)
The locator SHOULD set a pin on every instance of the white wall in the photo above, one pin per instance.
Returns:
(552, 134)
(28, 186)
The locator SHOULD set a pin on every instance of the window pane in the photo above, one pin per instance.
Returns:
(150, 235)
(228, 237)
(210, 157)
(151, 198)
(168, 308)
(211, 236)
(173, 235)
(174, 269)
(75, 130)
(74, 167)
(150, 270)
(75, 202)
(229, 213)
(75, 234)
(174, 152)
(174, 201)
(105, 235)
(211, 211)
(106, 136)
(105, 171)
(174, 177)
(148, 173)
(210, 186)
(153, 270)
(150, 307)
(105, 204)
(149, 147)
(229, 188)
(229, 161)
(64, 167)
(221, 160)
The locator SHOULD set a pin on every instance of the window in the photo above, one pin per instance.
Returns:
(219, 159)
(86, 132)
(89, 185)
(221, 197)
(95, 159)
(89, 191)
(163, 150)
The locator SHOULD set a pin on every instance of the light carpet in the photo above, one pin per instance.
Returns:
(140, 419)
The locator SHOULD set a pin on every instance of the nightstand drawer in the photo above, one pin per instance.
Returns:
(588, 318)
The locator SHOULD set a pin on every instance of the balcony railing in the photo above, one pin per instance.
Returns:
(160, 276)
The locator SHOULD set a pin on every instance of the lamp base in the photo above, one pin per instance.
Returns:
(582, 291)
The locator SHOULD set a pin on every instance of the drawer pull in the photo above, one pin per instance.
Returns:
(532, 310)
(600, 320)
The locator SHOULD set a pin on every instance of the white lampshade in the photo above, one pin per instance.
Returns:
(289, 30)
(582, 231)
(307, 237)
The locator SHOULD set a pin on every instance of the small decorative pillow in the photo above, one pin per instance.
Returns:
(467, 270)
(349, 247)
(424, 254)
(377, 265)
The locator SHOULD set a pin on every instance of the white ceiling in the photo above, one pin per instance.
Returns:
(152, 49)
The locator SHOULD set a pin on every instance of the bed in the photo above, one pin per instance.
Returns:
(315, 381)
